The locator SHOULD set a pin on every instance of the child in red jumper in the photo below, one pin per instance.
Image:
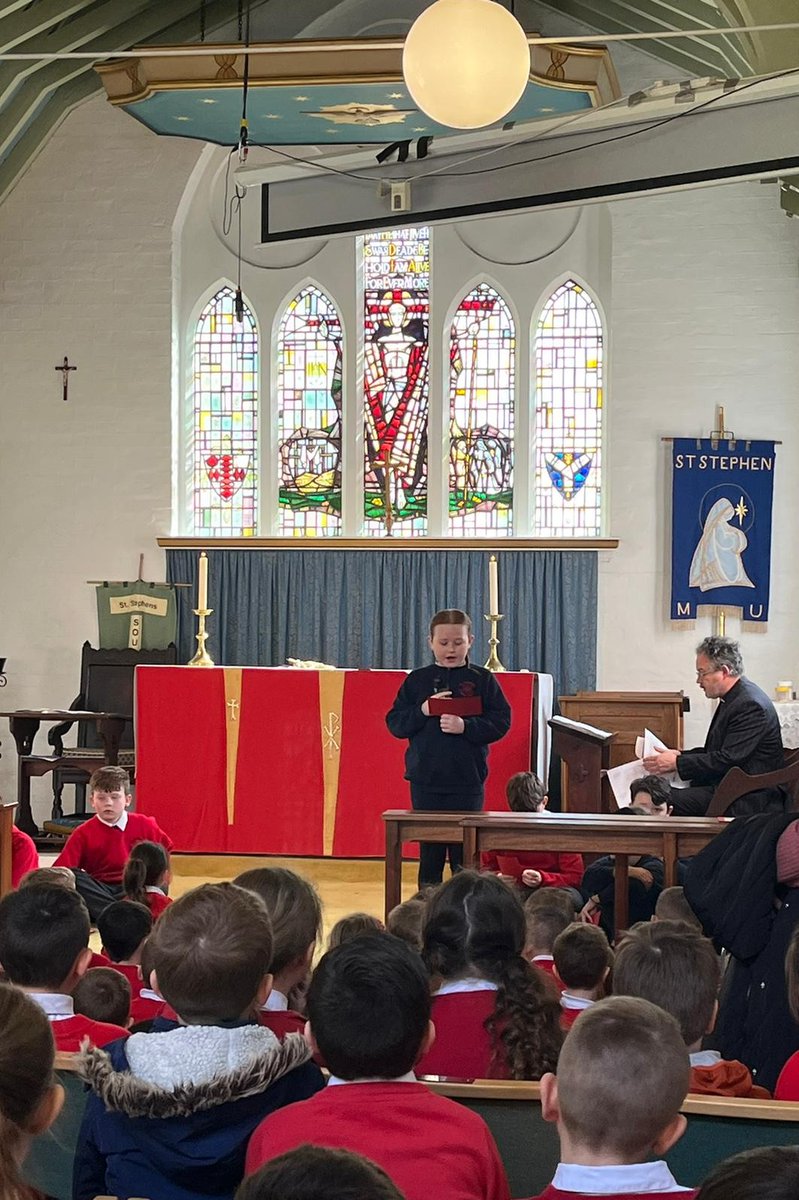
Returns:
(533, 869)
(24, 855)
(672, 965)
(369, 1017)
(788, 1083)
(583, 959)
(544, 922)
(295, 912)
(318, 1174)
(147, 877)
(98, 849)
(496, 1016)
(44, 949)
(124, 927)
(622, 1077)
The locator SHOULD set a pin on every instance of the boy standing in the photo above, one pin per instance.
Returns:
(369, 1018)
(446, 761)
(44, 949)
(171, 1112)
(622, 1077)
(98, 849)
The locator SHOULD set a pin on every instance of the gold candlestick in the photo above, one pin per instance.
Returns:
(202, 658)
(493, 663)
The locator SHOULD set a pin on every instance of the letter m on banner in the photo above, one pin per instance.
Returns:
(722, 496)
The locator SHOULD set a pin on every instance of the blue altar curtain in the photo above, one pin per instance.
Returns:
(371, 608)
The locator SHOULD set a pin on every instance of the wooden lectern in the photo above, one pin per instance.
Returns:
(585, 753)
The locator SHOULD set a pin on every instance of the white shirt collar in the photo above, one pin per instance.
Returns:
(55, 1005)
(638, 1178)
(575, 1002)
(456, 986)
(120, 824)
(151, 888)
(148, 994)
(334, 1080)
(705, 1058)
(542, 958)
(275, 1002)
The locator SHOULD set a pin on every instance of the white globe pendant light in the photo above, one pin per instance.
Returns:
(466, 62)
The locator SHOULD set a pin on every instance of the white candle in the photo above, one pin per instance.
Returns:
(493, 587)
(202, 582)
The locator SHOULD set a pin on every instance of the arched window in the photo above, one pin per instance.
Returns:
(309, 362)
(396, 273)
(568, 412)
(224, 416)
(481, 411)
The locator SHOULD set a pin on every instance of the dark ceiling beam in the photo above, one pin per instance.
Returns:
(18, 27)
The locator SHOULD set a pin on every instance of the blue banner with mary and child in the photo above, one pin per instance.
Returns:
(722, 495)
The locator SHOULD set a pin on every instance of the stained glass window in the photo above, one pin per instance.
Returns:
(309, 359)
(568, 432)
(396, 269)
(224, 431)
(482, 366)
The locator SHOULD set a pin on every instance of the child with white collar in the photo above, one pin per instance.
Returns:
(583, 959)
(622, 1076)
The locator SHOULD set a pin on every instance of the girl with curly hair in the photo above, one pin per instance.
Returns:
(495, 1015)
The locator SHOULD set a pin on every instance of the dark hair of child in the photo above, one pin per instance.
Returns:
(26, 1074)
(767, 1173)
(450, 616)
(475, 925)
(525, 792)
(656, 788)
(672, 905)
(359, 924)
(551, 897)
(792, 973)
(405, 921)
(110, 779)
(316, 1173)
(104, 995)
(43, 929)
(211, 950)
(543, 924)
(148, 863)
(582, 956)
(295, 911)
(59, 876)
(123, 926)
(369, 1007)
(673, 966)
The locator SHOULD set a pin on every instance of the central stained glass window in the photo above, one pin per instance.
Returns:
(396, 273)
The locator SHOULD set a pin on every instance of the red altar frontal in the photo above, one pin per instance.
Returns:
(258, 760)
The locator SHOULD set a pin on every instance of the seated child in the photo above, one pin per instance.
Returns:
(313, 1173)
(671, 905)
(295, 913)
(95, 851)
(170, 1113)
(673, 966)
(124, 927)
(104, 995)
(147, 877)
(24, 855)
(645, 872)
(358, 924)
(622, 1077)
(30, 1099)
(583, 959)
(543, 924)
(405, 921)
(61, 877)
(536, 868)
(767, 1173)
(788, 1083)
(369, 1018)
(44, 949)
(495, 1015)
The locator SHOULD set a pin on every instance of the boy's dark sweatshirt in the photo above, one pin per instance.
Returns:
(448, 762)
(170, 1113)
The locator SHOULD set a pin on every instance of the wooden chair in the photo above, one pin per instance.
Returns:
(529, 1148)
(48, 1167)
(106, 685)
(737, 783)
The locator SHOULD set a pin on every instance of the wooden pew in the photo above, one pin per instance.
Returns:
(404, 825)
(528, 1145)
(48, 1167)
(6, 823)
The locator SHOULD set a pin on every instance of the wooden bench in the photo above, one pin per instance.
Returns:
(6, 823)
(529, 1148)
(48, 1167)
(404, 825)
(668, 838)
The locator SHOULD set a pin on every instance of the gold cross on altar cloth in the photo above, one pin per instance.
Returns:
(332, 732)
(233, 705)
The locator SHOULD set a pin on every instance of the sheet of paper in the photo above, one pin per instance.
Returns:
(620, 779)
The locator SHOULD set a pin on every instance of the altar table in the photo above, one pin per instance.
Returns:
(261, 760)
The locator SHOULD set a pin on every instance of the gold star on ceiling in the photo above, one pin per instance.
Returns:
(209, 101)
(301, 97)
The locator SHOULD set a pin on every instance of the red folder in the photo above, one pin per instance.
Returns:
(457, 706)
